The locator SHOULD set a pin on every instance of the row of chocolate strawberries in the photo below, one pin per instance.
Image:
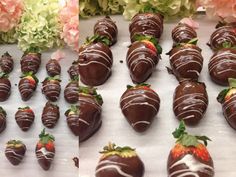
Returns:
(189, 157)
(222, 67)
(95, 56)
(25, 117)
(28, 83)
(190, 98)
(45, 150)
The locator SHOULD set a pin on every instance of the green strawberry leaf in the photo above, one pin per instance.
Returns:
(3, 75)
(204, 139)
(220, 98)
(139, 37)
(97, 38)
(179, 131)
(188, 140)
(232, 82)
(45, 137)
(193, 41)
(3, 111)
(91, 91)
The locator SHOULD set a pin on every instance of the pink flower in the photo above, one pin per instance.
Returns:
(10, 13)
(69, 17)
(225, 9)
(58, 55)
(190, 22)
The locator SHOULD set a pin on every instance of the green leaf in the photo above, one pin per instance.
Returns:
(189, 140)
(129, 86)
(3, 111)
(220, 98)
(232, 82)
(3, 75)
(97, 38)
(179, 131)
(204, 139)
(193, 41)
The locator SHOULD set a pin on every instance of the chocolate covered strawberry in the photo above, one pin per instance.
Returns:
(95, 61)
(24, 118)
(6, 63)
(45, 150)
(71, 92)
(142, 58)
(3, 121)
(50, 115)
(90, 108)
(189, 157)
(30, 62)
(119, 162)
(15, 151)
(227, 98)
(53, 67)
(73, 71)
(140, 104)
(186, 61)
(27, 85)
(51, 88)
(190, 101)
(5, 86)
(72, 118)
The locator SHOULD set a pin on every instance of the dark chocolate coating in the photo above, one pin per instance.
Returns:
(53, 68)
(141, 61)
(189, 165)
(146, 24)
(186, 62)
(26, 88)
(45, 157)
(95, 62)
(71, 92)
(190, 101)
(5, 89)
(30, 62)
(24, 119)
(224, 34)
(6, 63)
(51, 89)
(89, 116)
(222, 66)
(106, 27)
(183, 33)
(73, 71)
(116, 166)
(73, 122)
(229, 109)
(15, 154)
(50, 115)
(3, 123)
(140, 106)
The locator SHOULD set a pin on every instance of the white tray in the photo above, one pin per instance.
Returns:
(66, 143)
(154, 145)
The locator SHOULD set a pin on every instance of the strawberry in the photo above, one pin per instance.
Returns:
(3, 121)
(142, 57)
(52, 88)
(227, 98)
(73, 70)
(71, 92)
(45, 150)
(5, 86)
(27, 85)
(90, 108)
(189, 157)
(30, 62)
(53, 67)
(119, 161)
(95, 61)
(186, 60)
(15, 151)
(6, 63)
(140, 104)
(72, 117)
(24, 118)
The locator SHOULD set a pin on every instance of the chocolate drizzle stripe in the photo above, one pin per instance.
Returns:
(92, 62)
(193, 167)
(140, 122)
(14, 155)
(188, 32)
(229, 102)
(93, 103)
(200, 95)
(97, 53)
(220, 59)
(116, 167)
(193, 51)
(144, 104)
(84, 121)
(44, 154)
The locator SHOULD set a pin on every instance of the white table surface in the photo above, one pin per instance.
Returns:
(154, 145)
(66, 143)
